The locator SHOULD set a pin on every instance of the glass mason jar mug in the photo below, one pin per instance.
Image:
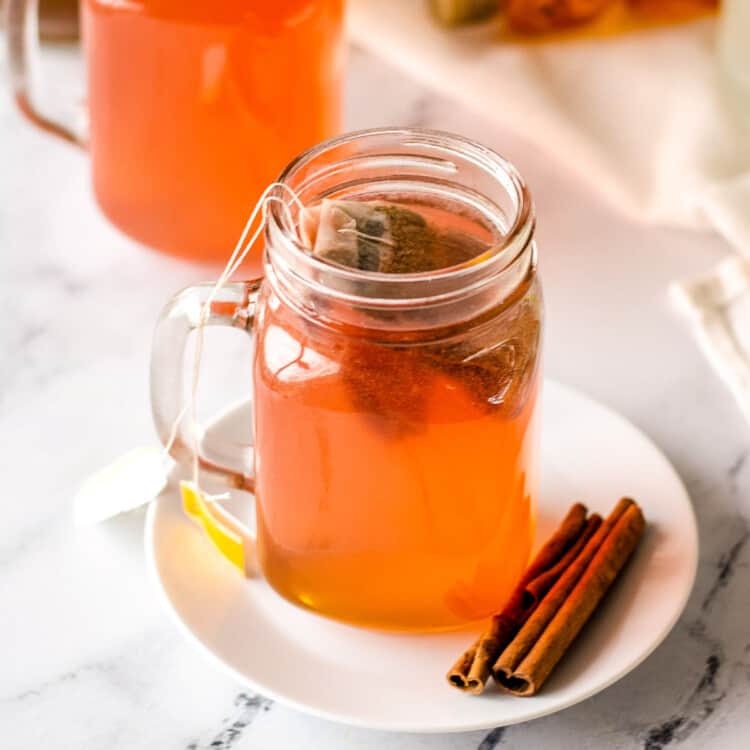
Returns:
(395, 414)
(192, 107)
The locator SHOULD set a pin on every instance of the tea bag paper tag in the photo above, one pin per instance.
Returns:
(132, 480)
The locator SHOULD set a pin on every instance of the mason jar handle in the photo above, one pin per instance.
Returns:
(22, 38)
(233, 306)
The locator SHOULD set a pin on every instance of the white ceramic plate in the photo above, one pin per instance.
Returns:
(396, 682)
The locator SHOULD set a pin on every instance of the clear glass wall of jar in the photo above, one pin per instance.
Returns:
(395, 414)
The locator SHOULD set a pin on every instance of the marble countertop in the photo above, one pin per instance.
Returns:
(89, 657)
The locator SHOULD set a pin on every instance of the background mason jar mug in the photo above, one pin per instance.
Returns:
(395, 414)
(193, 107)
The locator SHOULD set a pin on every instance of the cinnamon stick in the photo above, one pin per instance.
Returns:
(529, 659)
(537, 588)
(472, 670)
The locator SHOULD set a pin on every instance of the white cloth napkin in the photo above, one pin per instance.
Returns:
(649, 118)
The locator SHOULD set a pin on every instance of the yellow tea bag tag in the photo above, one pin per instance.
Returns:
(228, 541)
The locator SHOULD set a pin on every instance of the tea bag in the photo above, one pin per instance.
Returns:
(384, 237)
(387, 385)
(351, 233)
(496, 361)
(390, 384)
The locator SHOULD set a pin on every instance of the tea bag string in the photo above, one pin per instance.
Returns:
(241, 250)
(366, 236)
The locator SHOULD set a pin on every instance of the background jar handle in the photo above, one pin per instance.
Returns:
(233, 306)
(24, 64)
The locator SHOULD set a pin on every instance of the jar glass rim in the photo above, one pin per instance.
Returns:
(516, 237)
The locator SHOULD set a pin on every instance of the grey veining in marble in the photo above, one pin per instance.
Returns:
(90, 660)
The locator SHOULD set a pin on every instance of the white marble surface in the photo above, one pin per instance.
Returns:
(89, 659)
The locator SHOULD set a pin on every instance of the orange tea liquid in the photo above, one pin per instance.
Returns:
(396, 481)
(196, 106)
